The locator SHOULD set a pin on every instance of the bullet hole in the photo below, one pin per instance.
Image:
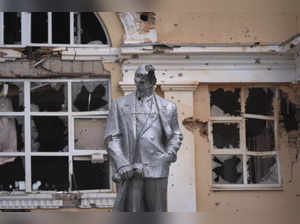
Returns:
(257, 61)
(175, 24)
(292, 46)
(144, 16)
(180, 75)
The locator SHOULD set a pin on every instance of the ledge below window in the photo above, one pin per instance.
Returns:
(273, 187)
(57, 200)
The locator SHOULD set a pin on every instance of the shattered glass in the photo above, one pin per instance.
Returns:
(49, 97)
(14, 93)
(226, 135)
(49, 134)
(225, 102)
(50, 173)
(262, 170)
(227, 169)
(90, 96)
(12, 174)
(89, 176)
(260, 101)
(260, 135)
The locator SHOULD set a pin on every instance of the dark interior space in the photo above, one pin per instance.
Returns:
(226, 135)
(49, 97)
(52, 133)
(260, 101)
(227, 101)
(259, 169)
(12, 28)
(228, 169)
(89, 176)
(89, 101)
(61, 27)
(91, 29)
(39, 27)
(10, 173)
(50, 173)
(260, 135)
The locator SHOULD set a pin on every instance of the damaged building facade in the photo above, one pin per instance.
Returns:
(238, 99)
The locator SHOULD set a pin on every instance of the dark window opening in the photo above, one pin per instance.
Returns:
(260, 135)
(227, 169)
(12, 28)
(225, 103)
(12, 174)
(61, 28)
(88, 29)
(50, 173)
(49, 97)
(262, 170)
(289, 113)
(39, 27)
(49, 134)
(144, 16)
(260, 101)
(89, 176)
(226, 135)
(90, 96)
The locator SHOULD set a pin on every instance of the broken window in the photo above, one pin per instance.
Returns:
(39, 27)
(12, 28)
(51, 28)
(225, 102)
(243, 125)
(88, 175)
(226, 135)
(60, 28)
(55, 135)
(227, 169)
(262, 170)
(90, 96)
(84, 34)
(260, 101)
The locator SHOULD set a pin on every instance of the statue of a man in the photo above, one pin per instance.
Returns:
(142, 137)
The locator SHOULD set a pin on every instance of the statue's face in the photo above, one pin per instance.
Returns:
(142, 80)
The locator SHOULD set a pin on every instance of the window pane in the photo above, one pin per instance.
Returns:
(12, 28)
(262, 170)
(61, 27)
(260, 135)
(88, 29)
(90, 96)
(11, 96)
(50, 173)
(49, 134)
(12, 174)
(227, 169)
(39, 27)
(89, 176)
(260, 101)
(226, 135)
(89, 133)
(11, 134)
(225, 102)
(49, 97)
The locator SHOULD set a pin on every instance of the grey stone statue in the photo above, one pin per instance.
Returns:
(142, 136)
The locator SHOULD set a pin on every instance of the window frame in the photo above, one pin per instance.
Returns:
(26, 33)
(242, 151)
(70, 116)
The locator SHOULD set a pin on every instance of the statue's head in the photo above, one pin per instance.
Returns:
(145, 77)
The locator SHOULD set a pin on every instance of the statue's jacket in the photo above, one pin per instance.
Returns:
(160, 135)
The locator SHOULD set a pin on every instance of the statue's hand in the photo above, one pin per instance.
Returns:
(170, 157)
(126, 172)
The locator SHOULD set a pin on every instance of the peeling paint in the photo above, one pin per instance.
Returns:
(193, 124)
